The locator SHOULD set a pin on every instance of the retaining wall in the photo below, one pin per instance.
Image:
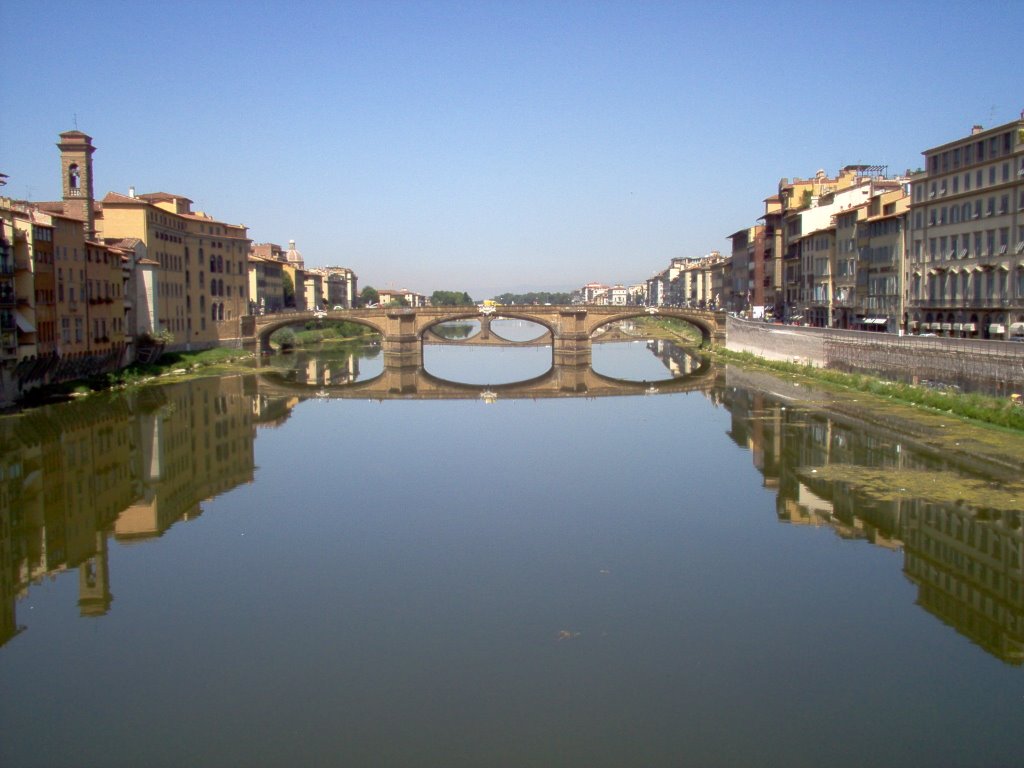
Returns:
(996, 366)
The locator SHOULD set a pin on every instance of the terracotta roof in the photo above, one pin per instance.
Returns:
(122, 242)
(163, 197)
(117, 197)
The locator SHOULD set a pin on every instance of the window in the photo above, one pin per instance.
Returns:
(992, 175)
(1004, 204)
(1006, 171)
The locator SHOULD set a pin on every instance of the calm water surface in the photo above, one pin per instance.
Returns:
(223, 573)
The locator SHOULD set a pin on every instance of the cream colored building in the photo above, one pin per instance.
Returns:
(201, 282)
(966, 254)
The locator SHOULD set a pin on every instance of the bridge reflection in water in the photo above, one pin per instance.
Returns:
(401, 381)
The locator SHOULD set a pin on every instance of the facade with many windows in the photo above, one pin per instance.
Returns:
(966, 252)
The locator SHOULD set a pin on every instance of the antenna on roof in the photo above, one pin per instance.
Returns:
(74, 118)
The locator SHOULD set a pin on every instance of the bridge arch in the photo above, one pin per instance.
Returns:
(705, 322)
(268, 324)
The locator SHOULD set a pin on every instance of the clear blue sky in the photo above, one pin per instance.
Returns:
(497, 146)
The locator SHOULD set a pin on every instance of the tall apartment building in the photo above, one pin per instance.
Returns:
(200, 269)
(820, 262)
(966, 259)
(747, 289)
(881, 262)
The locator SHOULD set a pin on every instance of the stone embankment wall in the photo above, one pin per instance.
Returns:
(996, 366)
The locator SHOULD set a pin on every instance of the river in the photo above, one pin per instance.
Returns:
(259, 570)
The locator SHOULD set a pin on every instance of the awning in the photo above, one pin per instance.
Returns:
(997, 328)
(970, 327)
(23, 324)
(958, 326)
(913, 323)
(875, 320)
(1017, 329)
(946, 326)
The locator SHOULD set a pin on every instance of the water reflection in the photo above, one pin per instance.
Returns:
(457, 329)
(960, 534)
(125, 466)
(131, 466)
(330, 367)
(517, 330)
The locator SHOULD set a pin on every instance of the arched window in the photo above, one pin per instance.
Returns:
(73, 176)
(213, 263)
(213, 312)
(220, 263)
(220, 311)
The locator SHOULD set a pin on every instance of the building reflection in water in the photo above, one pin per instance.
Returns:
(128, 466)
(327, 369)
(678, 360)
(966, 560)
(131, 466)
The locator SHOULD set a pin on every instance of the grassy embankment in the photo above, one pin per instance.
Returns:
(174, 366)
(985, 409)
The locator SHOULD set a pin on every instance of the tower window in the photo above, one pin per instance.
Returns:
(73, 176)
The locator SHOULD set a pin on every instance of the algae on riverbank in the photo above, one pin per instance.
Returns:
(894, 484)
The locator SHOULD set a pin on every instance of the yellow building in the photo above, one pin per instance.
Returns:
(200, 285)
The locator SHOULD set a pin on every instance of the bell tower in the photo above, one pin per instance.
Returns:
(76, 173)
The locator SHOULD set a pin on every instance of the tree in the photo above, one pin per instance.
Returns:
(451, 299)
(289, 288)
(534, 297)
(369, 296)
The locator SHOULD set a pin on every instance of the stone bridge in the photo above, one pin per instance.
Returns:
(403, 330)
(414, 383)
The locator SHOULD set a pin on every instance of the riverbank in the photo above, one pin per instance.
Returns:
(1000, 412)
(1003, 412)
(169, 367)
(986, 449)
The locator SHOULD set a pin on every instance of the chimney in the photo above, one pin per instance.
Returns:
(976, 129)
(131, 191)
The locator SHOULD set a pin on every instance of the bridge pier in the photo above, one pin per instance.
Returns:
(570, 343)
(402, 343)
